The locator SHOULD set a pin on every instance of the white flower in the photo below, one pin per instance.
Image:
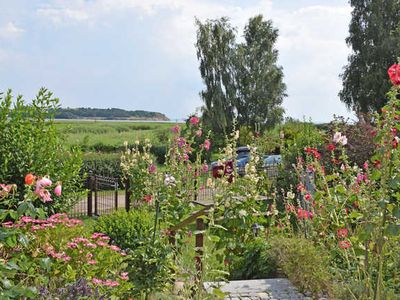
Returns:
(343, 140)
(169, 180)
(242, 213)
(290, 195)
(337, 136)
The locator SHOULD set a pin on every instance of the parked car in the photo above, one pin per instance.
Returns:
(242, 159)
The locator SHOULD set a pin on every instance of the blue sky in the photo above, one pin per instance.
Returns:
(140, 54)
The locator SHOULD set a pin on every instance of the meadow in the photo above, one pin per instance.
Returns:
(106, 136)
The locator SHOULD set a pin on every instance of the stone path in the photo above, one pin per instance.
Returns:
(260, 289)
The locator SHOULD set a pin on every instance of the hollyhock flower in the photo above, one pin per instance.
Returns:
(336, 137)
(204, 168)
(199, 132)
(395, 142)
(181, 141)
(57, 190)
(207, 144)
(394, 74)
(176, 129)
(343, 140)
(307, 196)
(194, 120)
(365, 166)
(152, 168)
(331, 147)
(29, 179)
(147, 198)
(342, 233)
(300, 187)
(344, 244)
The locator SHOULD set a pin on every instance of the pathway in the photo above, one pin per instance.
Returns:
(259, 289)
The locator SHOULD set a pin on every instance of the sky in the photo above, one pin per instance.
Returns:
(140, 54)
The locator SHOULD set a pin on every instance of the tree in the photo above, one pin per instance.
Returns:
(376, 45)
(242, 80)
(215, 50)
(260, 80)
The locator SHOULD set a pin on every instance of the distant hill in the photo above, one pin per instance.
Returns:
(108, 114)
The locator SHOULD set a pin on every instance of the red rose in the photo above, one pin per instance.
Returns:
(394, 74)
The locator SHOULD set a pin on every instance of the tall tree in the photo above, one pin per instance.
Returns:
(260, 80)
(242, 80)
(215, 51)
(376, 45)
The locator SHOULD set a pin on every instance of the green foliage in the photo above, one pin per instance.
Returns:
(376, 46)
(254, 263)
(109, 114)
(306, 266)
(30, 143)
(150, 258)
(43, 256)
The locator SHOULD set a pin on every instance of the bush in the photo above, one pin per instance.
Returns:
(29, 143)
(306, 266)
(49, 256)
(254, 263)
(150, 257)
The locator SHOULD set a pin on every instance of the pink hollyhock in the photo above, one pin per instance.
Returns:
(152, 169)
(394, 74)
(199, 132)
(342, 232)
(147, 198)
(308, 196)
(194, 120)
(176, 129)
(207, 144)
(205, 168)
(44, 182)
(344, 244)
(57, 190)
(124, 276)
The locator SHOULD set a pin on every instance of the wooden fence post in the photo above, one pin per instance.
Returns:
(128, 194)
(199, 246)
(90, 197)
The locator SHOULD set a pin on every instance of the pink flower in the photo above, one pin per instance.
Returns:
(204, 168)
(176, 129)
(342, 233)
(147, 198)
(8, 224)
(43, 194)
(308, 196)
(44, 182)
(57, 190)
(394, 74)
(72, 245)
(115, 248)
(344, 244)
(194, 120)
(89, 255)
(124, 276)
(207, 144)
(199, 132)
(152, 169)
(365, 166)
(92, 262)
(97, 281)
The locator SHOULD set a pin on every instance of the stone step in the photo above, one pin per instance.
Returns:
(258, 289)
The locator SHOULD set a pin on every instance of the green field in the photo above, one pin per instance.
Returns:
(90, 134)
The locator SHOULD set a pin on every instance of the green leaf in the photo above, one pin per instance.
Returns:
(24, 240)
(376, 174)
(392, 229)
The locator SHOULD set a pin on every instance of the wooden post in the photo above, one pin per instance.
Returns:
(199, 247)
(90, 196)
(116, 195)
(128, 194)
(95, 196)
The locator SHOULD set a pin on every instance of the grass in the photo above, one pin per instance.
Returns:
(90, 133)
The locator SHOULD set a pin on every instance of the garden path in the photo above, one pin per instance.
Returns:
(259, 289)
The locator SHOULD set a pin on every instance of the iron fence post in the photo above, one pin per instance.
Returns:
(95, 196)
(127, 195)
(90, 196)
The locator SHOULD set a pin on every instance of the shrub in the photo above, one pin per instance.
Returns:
(29, 143)
(49, 255)
(254, 263)
(306, 266)
(150, 257)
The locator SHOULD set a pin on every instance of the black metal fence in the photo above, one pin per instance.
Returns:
(103, 197)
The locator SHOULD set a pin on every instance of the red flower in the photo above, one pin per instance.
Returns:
(377, 164)
(29, 179)
(342, 232)
(308, 196)
(344, 244)
(147, 198)
(394, 74)
(331, 147)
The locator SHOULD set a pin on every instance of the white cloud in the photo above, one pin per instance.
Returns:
(10, 31)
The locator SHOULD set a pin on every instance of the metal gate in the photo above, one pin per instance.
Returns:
(102, 197)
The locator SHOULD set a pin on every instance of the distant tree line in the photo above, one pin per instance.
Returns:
(107, 114)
